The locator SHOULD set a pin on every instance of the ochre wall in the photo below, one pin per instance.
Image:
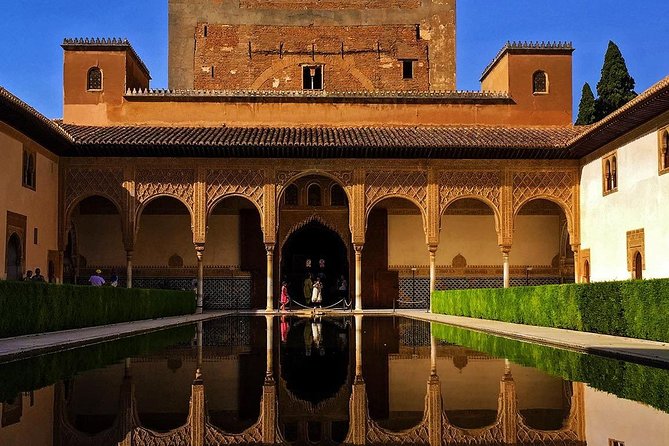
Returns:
(353, 58)
(535, 240)
(40, 206)
(640, 202)
(36, 425)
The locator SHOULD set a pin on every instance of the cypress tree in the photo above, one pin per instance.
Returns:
(586, 109)
(616, 87)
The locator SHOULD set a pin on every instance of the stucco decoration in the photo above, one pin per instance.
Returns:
(177, 183)
(247, 183)
(483, 185)
(396, 183)
(85, 182)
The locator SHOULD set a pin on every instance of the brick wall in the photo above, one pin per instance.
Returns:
(271, 57)
(328, 4)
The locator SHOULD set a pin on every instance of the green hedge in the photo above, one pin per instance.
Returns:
(624, 379)
(636, 309)
(44, 370)
(29, 307)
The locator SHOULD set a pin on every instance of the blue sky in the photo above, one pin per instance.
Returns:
(32, 30)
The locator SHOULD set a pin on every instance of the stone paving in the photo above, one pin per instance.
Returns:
(30, 345)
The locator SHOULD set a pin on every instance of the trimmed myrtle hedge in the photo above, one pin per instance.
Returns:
(29, 307)
(41, 371)
(636, 309)
(625, 379)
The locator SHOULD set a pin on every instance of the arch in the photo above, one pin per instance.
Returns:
(540, 82)
(143, 205)
(288, 180)
(496, 212)
(314, 195)
(216, 201)
(14, 257)
(76, 201)
(94, 80)
(557, 201)
(371, 205)
(638, 266)
(586, 271)
(664, 149)
(614, 173)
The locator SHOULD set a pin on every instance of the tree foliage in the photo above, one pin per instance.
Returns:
(616, 86)
(586, 109)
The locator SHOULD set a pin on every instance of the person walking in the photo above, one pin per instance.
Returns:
(285, 299)
(316, 296)
(342, 287)
(29, 276)
(96, 279)
(308, 289)
(38, 277)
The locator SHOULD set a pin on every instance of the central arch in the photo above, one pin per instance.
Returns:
(301, 255)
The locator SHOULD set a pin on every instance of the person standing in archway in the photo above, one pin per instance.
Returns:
(308, 289)
(316, 297)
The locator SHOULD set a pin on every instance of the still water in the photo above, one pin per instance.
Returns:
(348, 380)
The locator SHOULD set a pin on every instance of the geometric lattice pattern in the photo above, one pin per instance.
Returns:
(414, 333)
(485, 184)
(90, 181)
(407, 184)
(173, 182)
(527, 185)
(220, 293)
(228, 332)
(247, 182)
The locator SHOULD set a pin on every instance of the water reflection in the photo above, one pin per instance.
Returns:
(321, 380)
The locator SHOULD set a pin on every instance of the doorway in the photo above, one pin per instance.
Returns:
(14, 257)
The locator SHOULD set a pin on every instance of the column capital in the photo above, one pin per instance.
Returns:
(432, 247)
(129, 253)
(269, 247)
(357, 247)
(506, 249)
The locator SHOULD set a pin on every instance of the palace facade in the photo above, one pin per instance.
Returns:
(328, 138)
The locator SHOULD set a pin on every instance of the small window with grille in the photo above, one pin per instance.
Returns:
(540, 83)
(94, 80)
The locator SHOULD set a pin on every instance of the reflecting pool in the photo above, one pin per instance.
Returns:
(335, 380)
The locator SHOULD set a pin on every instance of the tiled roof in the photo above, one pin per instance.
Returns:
(29, 121)
(529, 47)
(353, 142)
(105, 43)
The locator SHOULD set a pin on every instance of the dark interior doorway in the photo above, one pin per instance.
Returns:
(302, 254)
(13, 258)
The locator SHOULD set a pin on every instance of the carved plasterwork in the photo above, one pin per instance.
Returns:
(396, 183)
(484, 185)
(82, 182)
(558, 186)
(248, 183)
(177, 183)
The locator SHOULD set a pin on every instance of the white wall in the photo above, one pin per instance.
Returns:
(642, 201)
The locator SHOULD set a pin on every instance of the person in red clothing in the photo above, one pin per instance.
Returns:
(285, 299)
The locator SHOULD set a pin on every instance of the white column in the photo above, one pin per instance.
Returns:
(358, 346)
(270, 277)
(507, 278)
(269, 321)
(128, 257)
(199, 250)
(433, 272)
(358, 277)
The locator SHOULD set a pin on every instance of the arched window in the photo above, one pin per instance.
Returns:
(29, 162)
(665, 149)
(638, 266)
(540, 82)
(13, 258)
(94, 79)
(290, 196)
(614, 173)
(609, 180)
(314, 195)
(337, 196)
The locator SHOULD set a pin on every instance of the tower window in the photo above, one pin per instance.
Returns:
(312, 77)
(28, 174)
(540, 83)
(94, 79)
(407, 69)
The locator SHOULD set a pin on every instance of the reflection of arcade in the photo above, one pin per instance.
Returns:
(317, 250)
(343, 418)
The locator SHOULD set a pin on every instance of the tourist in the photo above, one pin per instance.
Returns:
(316, 296)
(285, 299)
(342, 287)
(96, 279)
(114, 279)
(38, 277)
(29, 275)
(308, 286)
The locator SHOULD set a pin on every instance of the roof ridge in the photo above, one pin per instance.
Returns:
(556, 45)
(119, 42)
